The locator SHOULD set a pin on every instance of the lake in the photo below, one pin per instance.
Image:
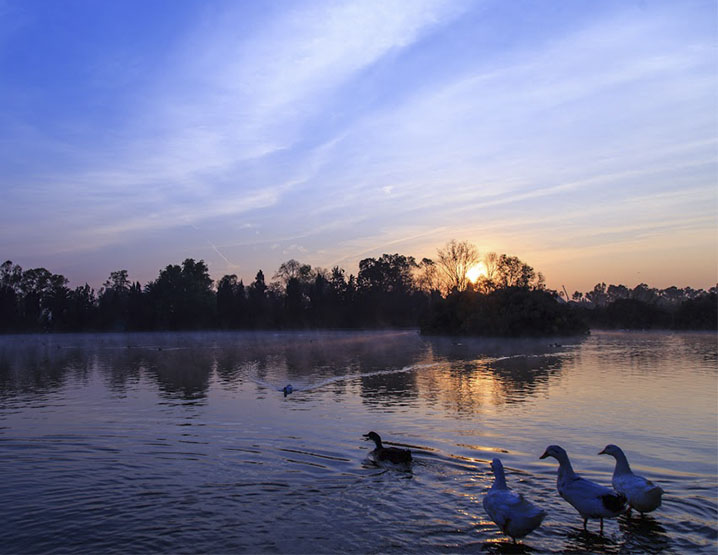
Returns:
(185, 443)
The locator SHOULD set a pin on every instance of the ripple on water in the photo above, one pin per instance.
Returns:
(152, 448)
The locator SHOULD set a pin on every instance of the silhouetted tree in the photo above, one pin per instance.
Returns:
(386, 292)
(698, 313)
(258, 305)
(182, 297)
(10, 275)
(454, 260)
(292, 269)
(635, 314)
(644, 293)
(231, 302)
(82, 308)
(615, 292)
(598, 295)
(426, 276)
(509, 312)
(491, 263)
(114, 302)
(391, 290)
(139, 310)
(512, 272)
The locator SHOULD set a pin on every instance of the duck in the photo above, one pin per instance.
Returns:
(642, 494)
(590, 499)
(287, 389)
(515, 516)
(393, 455)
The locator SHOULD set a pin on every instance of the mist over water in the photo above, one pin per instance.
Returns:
(185, 442)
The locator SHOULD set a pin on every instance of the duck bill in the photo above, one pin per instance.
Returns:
(545, 454)
(602, 452)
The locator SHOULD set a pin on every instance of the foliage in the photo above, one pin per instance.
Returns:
(643, 307)
(182, 297)
(508, 312)
(389, 291)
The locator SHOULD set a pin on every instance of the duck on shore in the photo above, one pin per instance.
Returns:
(590, 499)
(515, 516)
(394, 455)
(642, 494)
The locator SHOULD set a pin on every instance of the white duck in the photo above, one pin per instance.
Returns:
(643, 495)
(514, 515)
(590, 499)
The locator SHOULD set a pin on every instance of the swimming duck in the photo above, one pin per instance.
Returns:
(287, 389)
(590, 499)
(515, 516)
(387, 454)
(643, 495)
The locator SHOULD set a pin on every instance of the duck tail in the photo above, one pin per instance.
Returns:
(614, 502)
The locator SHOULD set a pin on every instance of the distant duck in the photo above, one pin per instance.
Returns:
(387, 454)
(515, 516)
(643, 495)
(287, 389)
(590, 499)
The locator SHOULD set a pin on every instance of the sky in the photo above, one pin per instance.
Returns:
(579, 136)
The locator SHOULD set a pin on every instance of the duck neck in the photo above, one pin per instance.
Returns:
(377, 442)
(564, 467)
(622, 466)
(499, 479)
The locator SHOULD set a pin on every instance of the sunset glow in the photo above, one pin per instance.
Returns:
(247, 134)
(475, 272)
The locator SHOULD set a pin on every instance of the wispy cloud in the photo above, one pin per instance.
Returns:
(340, 129)
(191, 152)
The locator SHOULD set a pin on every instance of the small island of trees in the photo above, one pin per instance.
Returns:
(443, 296)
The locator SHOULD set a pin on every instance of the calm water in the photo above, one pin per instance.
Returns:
(184, 443)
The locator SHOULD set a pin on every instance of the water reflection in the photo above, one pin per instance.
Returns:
(644, 534)
(113, 443)
(523, 376)
(460, 375)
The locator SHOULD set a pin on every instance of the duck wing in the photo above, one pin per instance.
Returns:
(631, 485)
(642, 494)
(393, 455)
(497, 504)
(591, 499)
(512, 513)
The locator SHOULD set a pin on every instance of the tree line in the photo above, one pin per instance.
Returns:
(644, 307)
(508, 298)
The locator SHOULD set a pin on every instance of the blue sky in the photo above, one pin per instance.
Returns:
(579, 136)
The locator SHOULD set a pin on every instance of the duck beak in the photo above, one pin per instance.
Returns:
(602, 452)
(545, 454)
(365, 436)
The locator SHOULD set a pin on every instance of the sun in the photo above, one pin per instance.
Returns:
(475, 272)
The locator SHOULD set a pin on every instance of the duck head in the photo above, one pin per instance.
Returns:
(617, 453)
(556, 452)
(373, 436)
(610, 449)
(497, 466)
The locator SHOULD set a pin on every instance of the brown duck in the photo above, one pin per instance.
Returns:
(387, 454)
